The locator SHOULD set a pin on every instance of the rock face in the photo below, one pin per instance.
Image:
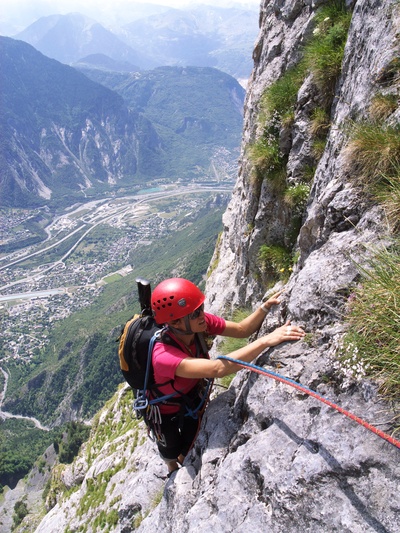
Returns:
(270, 458)
(29, 491)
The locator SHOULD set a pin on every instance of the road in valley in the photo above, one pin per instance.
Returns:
(4, 414)
(103, 212)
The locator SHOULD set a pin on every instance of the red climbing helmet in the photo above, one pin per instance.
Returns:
(174, 298)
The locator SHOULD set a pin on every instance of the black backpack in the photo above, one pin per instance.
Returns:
(135, 349)
(136, 343)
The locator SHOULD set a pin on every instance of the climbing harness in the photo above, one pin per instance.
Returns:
(302, 388)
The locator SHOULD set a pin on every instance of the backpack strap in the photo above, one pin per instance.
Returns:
(203, 344)
(189, 406)
(142, 401)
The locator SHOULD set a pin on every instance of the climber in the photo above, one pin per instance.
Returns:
(179, 304)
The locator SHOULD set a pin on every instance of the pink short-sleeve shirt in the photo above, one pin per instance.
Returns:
(166, 359)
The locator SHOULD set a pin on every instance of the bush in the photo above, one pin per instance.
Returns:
(77, 434)
(20, 511)
(275, 261)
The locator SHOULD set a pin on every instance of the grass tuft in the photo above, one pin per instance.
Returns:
(275, 261)
(387, 192)
(296, 197)
(268, 161)
(323, 55)
(279, 99)
(373, 161)
(373, 151)
(372, 344)
(382, 106)
(320, 123)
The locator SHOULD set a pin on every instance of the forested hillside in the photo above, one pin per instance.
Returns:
(196, 112)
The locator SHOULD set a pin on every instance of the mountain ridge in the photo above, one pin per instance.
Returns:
(65, 136)
(68, 38)
(42, 107)
(200, 36)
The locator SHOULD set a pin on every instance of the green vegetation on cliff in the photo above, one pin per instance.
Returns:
(372, 344)
(322, 57)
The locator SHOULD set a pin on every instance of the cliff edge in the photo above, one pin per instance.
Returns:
(270, 458)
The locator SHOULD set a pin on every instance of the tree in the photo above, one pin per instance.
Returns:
(20, 511)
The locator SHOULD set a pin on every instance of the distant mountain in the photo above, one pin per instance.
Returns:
(63, 135)
(60, 132)
(200, 36)
(68, 38)
(16, 18)
(193, 110)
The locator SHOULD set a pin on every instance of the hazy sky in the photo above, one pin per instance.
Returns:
(15, 15)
